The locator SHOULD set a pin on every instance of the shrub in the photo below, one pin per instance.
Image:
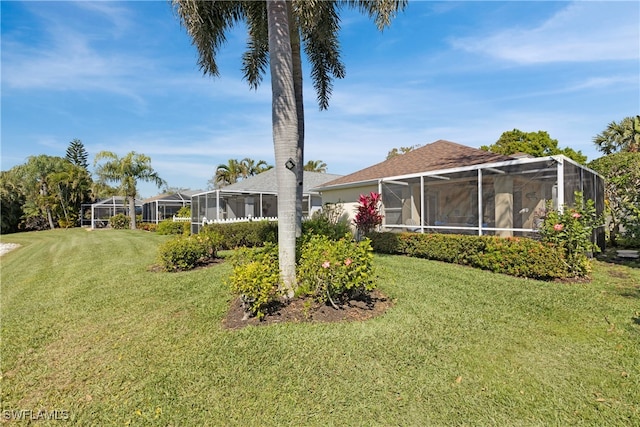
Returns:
(187, 252)
(571, 230)
(184, 212)
(148, 226)
(515, 256)
(169, 227)
(368, 216)
(330, 221)
(256, 278)
(119, 221)
(245, 234)
(334, 271)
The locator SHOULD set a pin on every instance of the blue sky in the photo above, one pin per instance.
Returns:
(122, 76)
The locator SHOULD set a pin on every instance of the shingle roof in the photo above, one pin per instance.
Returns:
(438, 155)
(265, 182)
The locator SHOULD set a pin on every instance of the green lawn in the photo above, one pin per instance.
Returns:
(87, 328)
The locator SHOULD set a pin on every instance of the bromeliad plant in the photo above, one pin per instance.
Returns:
(368, 216)
(571, 230)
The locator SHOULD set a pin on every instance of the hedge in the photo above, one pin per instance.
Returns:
(516, 256)
(245, 234)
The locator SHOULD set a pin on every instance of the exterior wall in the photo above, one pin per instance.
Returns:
(348, 198)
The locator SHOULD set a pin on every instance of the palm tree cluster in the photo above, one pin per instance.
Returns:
(235, 170)
(46, 191)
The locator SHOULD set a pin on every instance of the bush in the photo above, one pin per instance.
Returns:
(330, 221)
(120, 222)
(521, 257)
(245, 234)
(169, 227)
(256, 278)
(186, 253)
(148, 226)
(571, 230)
(335, 271)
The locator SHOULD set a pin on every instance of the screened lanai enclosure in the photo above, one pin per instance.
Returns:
(254, 198)
(164, 206)
(504, 198)
(97, 214)
(227, 206)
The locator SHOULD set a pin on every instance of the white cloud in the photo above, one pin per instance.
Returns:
(582, 32)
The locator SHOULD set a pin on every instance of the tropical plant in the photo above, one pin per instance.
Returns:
(621, 172)
(315, 166)
(368, 215)
(228, 173)
(276, 31)
(37, 176)
(622, 136)
(537, 144)
(402, 150)
(12, 198)
(127, 171)
(571, 229)
(250, 167)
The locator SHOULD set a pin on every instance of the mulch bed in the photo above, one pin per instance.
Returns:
(308, 310)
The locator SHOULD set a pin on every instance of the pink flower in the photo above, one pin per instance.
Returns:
(347, 261)
(576, 215)
(326, 264)
(558, 227)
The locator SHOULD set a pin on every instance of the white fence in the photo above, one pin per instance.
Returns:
(240, 219)
(181, 218)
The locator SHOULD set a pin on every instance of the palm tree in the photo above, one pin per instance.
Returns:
(276, 28)
(251, 167)
(229, 173)
(127, 171)
(315, 166)
(623, 136)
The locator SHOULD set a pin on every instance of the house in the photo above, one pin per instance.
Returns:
(255, 197)
(164, 206)
(451, 188)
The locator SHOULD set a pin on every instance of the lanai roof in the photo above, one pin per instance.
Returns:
(265, 182)
(438, 155)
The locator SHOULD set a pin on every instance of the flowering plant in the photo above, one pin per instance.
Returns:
(368, 216)
(571, 229)
(334, 271)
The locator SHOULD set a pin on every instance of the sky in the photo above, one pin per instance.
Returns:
(123, 76)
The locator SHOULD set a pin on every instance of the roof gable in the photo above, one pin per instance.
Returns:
(438, 155)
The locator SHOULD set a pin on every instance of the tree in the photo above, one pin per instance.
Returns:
(623, 136)
(228, 173)
(315, 166)
(73, 188)
(402, 150)
(275, 31)
(127, 171)
(38, 179)
(77, 155)
(12, 199)
(621, 172)
(250, 167)
(537, 144)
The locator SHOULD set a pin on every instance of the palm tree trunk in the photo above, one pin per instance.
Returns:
(45, 193)
(297, 84)
(132, 212)
(285, 137)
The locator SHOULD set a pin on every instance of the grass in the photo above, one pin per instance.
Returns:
(86, 328)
